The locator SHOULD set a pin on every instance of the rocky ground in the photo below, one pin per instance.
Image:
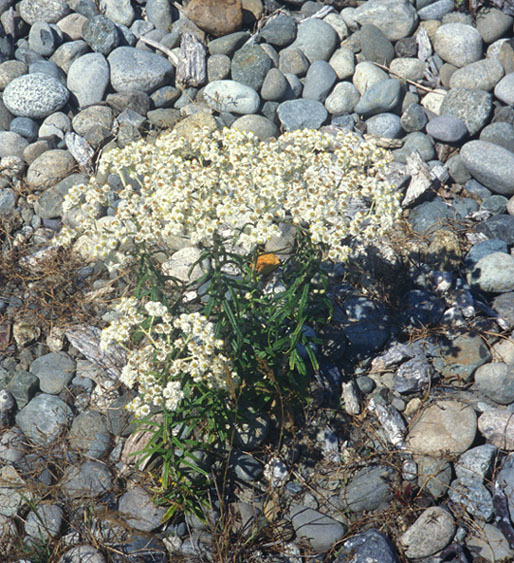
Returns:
(405, 450)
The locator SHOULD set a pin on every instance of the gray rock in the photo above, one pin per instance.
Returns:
(409, 68)
(245, 466)
(119, 11)
(316, 39)
(228, 44)
(383, 96)
(480, 75)
(494, 273)
(279, 31)
(54, 370)
(370, 546)
(275, 86)
(458, 44)
(477, 190)
(9, 70)
(498, 227)
(434, 475)
(12, 446)
(166, 96)
(301, 114)
(414, 118)
(436, 10)
(101, 34)
(13, 492)
(430, 533)
(134, 69)
(375, 46)
(23, 386)
(396, 18)
(499, 133)
(5, 116)
(12, 144)
(89, 434)
(489, 542)
(250, 65)
(343, 62)
(49, 168)
(321, 531)
(159, 13)
(57, 124)
(45, 522)
(474, 107)
(26, 127)
(504, 90)
(49, 11)
(88, 480)
(319, 81)
(44, 38)
(43, 419)
(81, 553)
(368, 489)
(474, 497)
(457, 169)
(251, 434)
(118, 418)
(343, 99)
(135, 100)
(412, 375)
(293, 61)
(504, 305)
(88, 77)
(35, 95)
(476, 464)
(492, 24)
(94, 123)
(260, 126)
(461, 356)
(491, 165)
(138, 510)
(231, 96)
(384, 125)
(416, 141)
(495, 204)
(447, 128)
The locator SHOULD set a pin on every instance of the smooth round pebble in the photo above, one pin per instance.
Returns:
(458, 44)
(447, 128)
(231, 96)
(493, 273)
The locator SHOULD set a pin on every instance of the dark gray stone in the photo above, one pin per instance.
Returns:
(474, 497)
(101, 34)
(371, 546)
(23, 386)
(245, 466)
(250, 64)
(416, 141)
(499, 133)
(319, 81)
(25, 127)
(301, 114)
(504, 306)
(54, 370)
(383, 96)
(279, 31)
(368, 489)
(447, 128)
(321, 531)
(495, 204)
(89, 434)
(498, 227)
(414, 118)
(375, 46)
(88, 480)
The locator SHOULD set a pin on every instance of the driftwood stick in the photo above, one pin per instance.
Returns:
(417, 84)
(156, 45)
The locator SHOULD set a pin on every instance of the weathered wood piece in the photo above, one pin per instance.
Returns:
(192, 64)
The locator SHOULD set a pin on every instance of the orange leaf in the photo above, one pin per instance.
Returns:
(266, 263)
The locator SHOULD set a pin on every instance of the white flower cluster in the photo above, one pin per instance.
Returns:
(229, 181)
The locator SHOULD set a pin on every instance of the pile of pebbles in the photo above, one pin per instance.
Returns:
(421, 442)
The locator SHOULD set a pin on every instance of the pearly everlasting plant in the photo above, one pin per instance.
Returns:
(237, 340)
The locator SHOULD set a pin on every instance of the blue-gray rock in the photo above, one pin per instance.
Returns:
(293, 61)
(35, 95)
(49, 11)
(412, 375)
(458, 44)
(138, 511)
(134, 69)
(48, 67)
(101, 34)
(25, 127)
(118, 11)
(504, 305)
(44, 418)
(477, 190)
(159, 13)
(119, 418)
(375, 46)
(476, 464)
(460, 357)
(165, 97)
(12, 144)
(496, 381)
(275, 85)
(474, 107)
(89, 480)
(457, 169)
(383, 96)
(343, 99)
(504, 90)
(231, 96)
(319, 81)
(89, 434)
(491, 165)
(447, 128)
(369, 489)
(54, 370)
(316, 39)
(499, 133)
(23, 386)
(146, 549)
(218, 68)
(301, 114)
(45, 522)
(228, 44)
(416, 141)
(88, 78)
(463, 207)
(371, 546)
(414, 118)
(499, 227)
(436, 10)
(396, 18)
(279, 31)
(384, 125)
(505, 480)
(421, 308)
(495, 204)
(480, 75)
(44, 38)
(475, 498)
(69, 52)
(434, 474)
(87, 8)
(245, 466)
(321, 531)
(250, 65)
(493, 273)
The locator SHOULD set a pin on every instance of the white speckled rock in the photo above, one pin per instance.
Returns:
(504, 90)
(458, 44)
(35, 95)
(229, 95)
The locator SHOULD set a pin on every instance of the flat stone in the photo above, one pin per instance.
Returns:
(35, 95)
(49, 168)
(54, 370)
(444, 427)
(321, 531)
(135, 69)
(480, 75)
(231, 96)
(493, 273)
(369, 489)
(430, 533)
